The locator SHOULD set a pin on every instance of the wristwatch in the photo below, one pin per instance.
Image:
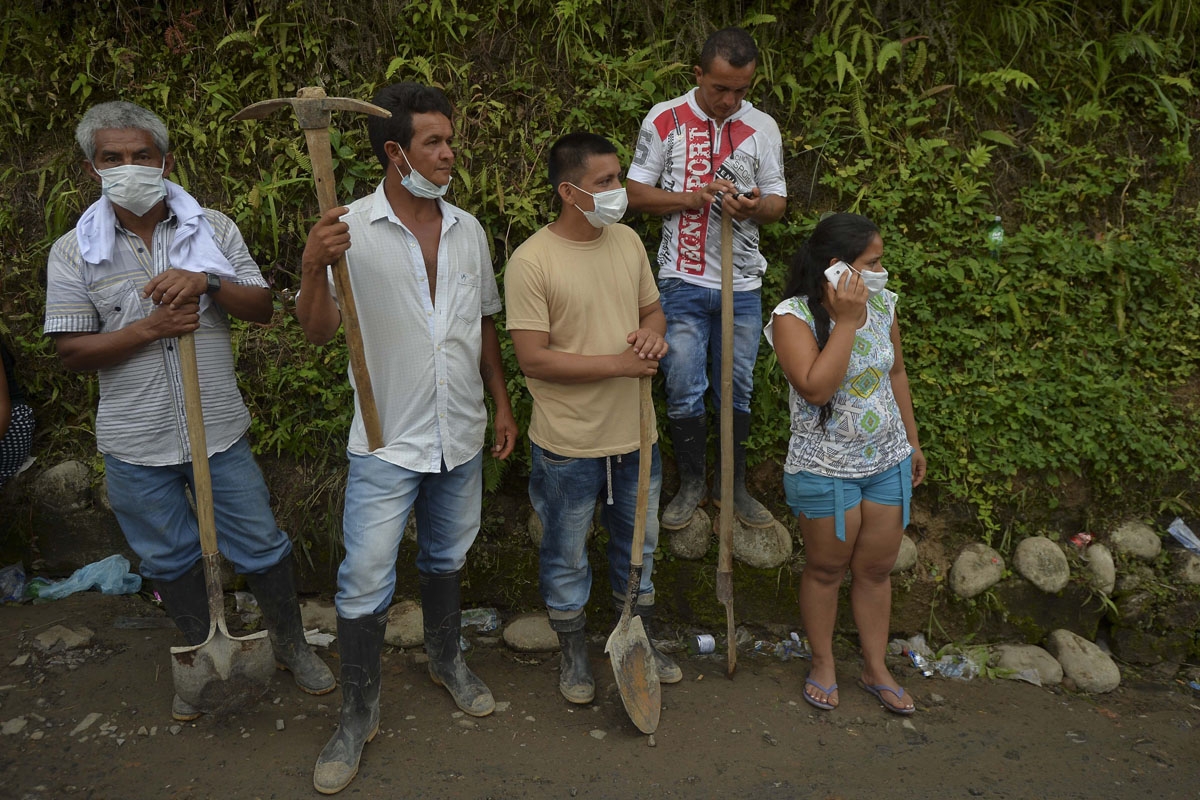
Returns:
(214, 283)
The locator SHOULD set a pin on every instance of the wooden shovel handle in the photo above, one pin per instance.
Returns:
(194, 410)
(322, 166)
(645, 456)
(725, 530)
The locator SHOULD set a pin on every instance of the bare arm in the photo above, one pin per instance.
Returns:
(763, 210)
(491, 369)
(903, 394)
(315, 307)
(538, 361)
(90, 351)
(816, 374)
(660, 202)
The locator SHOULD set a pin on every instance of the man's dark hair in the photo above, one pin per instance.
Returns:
(732, 44)
(403, 100)
(569, 155)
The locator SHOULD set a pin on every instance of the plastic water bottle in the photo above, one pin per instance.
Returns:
(995, 237)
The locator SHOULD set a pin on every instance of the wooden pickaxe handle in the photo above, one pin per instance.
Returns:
(312, 110)
(320, 154)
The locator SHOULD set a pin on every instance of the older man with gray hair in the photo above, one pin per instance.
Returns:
(121, 288)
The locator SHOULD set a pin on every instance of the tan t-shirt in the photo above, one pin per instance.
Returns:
(586, 296)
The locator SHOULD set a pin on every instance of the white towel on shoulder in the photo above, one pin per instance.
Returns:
(194, 247)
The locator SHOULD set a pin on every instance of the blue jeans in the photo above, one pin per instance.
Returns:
(564, 492)
(379, 497)
(694, 332)
(159, 525)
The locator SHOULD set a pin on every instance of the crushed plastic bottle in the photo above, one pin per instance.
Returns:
(1184, 535)
(995, 237)
(956, 666)
(792, 647)
(481, 619)
(917, 650)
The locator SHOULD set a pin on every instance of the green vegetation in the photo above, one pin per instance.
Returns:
(1074, 357)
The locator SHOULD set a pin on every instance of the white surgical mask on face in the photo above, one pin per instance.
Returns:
(610, 206)
(874, 281)
(134, 188)
(417, 184)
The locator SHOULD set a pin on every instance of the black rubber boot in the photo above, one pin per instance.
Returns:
(748, 510)
(360, 642)
(275, 591)
(440, 606)
(668, 670)
(689, 438)
(575, 680)
(186, 601)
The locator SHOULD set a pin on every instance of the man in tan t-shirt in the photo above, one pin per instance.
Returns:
(586, 324)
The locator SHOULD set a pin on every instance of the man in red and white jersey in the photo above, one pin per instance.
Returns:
(695, 154)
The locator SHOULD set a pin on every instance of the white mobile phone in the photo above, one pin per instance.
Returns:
(835, 272)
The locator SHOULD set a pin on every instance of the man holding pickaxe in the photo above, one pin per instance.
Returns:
(425, 293)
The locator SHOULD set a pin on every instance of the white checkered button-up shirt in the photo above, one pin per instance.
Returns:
(423, 356)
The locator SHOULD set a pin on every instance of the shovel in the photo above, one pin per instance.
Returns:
(224, 672)
(628, 647)
(725, 518)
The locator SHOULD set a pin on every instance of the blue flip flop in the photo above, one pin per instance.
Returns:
(878, 691)
(824, 705)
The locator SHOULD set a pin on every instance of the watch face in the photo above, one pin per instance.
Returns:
(214, 282)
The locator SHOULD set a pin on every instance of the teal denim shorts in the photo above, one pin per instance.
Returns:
(819, 496)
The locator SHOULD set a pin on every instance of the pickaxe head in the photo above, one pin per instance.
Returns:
(312, 107)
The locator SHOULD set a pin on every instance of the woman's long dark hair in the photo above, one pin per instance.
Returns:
(837, 236)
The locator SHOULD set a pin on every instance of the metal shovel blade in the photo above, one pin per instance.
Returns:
(633, 665)
(225, 673)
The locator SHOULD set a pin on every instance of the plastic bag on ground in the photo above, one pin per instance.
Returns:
(110, 575)
(12, 583)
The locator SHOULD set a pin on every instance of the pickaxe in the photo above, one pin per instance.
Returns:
(313, 109)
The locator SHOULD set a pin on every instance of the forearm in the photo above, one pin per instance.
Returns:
(770, 209)
(315, 307)
(83, 352)
(660, 202)
(828, 370)
(558, 367)
(245, 302)
(491, 366)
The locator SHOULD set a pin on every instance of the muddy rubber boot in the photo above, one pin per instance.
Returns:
(748, 510)
(186, 601)
(360, 642)
(668, 670)
(689, 438)
(440, 606)
(575, 680)
(275, 591)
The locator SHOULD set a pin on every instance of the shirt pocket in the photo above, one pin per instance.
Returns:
(118, 305)
(467, 297)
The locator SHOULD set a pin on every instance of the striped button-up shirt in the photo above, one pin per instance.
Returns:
(141, 418)
(423, 356)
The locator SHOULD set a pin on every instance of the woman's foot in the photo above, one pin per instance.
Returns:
(821, 689)
(889, 693)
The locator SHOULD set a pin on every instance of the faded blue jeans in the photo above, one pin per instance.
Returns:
(564, 492)
(694, 332)
(160, 526)
(379, 497)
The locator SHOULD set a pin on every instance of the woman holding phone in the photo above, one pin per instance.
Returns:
(854, 455)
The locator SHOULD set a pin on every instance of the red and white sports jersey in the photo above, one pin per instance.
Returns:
(680, 148)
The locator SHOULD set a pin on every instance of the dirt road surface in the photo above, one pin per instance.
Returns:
(749, 737)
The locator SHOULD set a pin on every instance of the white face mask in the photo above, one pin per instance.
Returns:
(610, 206)
(417, 184)
(874, 281)
(134, 188)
